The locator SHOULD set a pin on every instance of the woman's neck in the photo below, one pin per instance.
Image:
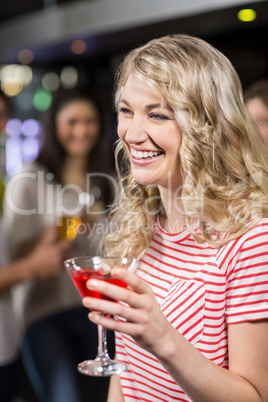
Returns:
(173, 220)
(74, 171)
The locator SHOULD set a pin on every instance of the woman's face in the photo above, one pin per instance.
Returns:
(259, 113)
(77, 127)
(148, 128)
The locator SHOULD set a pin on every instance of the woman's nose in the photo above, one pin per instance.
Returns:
(80, 129)
(136, 131)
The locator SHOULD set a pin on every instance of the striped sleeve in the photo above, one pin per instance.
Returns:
(247, 279)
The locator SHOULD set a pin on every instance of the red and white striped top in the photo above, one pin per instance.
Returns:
(200, 290)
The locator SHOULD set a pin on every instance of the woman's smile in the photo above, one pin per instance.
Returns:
(139, 157)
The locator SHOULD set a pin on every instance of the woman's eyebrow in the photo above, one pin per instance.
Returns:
(151, 106)
(159, 106)
(124, 101)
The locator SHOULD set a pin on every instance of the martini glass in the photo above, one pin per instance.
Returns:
(81, 270)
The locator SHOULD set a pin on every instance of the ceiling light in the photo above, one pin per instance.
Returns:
(247, 15)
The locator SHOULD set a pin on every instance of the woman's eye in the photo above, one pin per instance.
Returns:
(157, 116)
(91, 121)
(72, 122)
(124, 110)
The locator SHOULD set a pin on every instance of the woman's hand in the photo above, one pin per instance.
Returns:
(142, 317)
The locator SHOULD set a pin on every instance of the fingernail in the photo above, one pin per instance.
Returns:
(85, 300)
(92, 283)
(93, 316)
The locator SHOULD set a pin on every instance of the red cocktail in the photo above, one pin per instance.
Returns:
(82, 270)
(81, 277)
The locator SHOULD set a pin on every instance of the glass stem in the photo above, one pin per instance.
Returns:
(102, 354)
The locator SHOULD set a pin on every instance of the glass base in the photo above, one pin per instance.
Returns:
(100, 368)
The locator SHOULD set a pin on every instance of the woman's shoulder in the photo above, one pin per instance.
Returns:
(251, 246)
(258, 230)
(255, 237)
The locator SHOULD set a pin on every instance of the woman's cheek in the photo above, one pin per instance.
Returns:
(63, 131)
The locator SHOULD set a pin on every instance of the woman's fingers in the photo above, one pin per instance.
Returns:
(136, 283)
(116, 309)
(137, 314)
(133, 329)
(117, 293)
(132, 314)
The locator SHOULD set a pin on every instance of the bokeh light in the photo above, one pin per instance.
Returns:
(69, 77)
(21, 73)
(25, 56)
(27, 75)
(247, 15)
(86, 199)
(13, 156)
(30, 149)
(13, 127)
(14, 77)
(30, 128)
(51, 81)
(78, 46)
(42, 99)
(12, 86)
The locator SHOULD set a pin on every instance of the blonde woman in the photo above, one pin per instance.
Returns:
(194, 188)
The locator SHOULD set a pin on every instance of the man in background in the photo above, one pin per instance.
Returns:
(256, 97)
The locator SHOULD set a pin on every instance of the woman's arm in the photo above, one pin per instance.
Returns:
(21, 220)
(115, 391)
(204, 381)
(44, 261)
(200, 378)
(14, 273)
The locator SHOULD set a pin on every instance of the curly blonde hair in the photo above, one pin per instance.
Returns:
(222, 156)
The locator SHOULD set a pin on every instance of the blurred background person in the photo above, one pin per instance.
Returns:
(8, 338)
(71, 175)
(256, 97)
(4, 112)
(43, 262)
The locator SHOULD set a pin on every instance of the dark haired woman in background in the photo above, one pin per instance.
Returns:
(71, 176)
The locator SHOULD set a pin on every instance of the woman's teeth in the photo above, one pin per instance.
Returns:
(144, 155)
